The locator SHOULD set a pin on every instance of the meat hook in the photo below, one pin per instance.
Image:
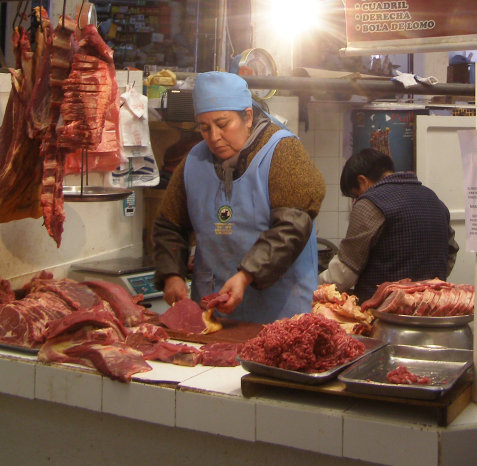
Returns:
(19, 14)
(79, 15)
(63, 17)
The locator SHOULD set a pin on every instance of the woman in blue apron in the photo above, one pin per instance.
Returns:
(249, 193)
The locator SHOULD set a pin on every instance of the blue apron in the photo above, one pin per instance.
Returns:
(226, 229)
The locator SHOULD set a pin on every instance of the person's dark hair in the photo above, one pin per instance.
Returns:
(244, 115)
(368, 162)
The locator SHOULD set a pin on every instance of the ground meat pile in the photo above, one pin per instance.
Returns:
(403, 375)
(307, 343)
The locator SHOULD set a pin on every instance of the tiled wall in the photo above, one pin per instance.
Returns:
(324, 141)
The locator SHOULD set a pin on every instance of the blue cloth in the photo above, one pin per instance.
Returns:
(217, 90)
(226, 229)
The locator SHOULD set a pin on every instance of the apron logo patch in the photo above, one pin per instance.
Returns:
(224, 214)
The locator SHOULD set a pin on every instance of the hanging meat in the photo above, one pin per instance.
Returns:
(64, 96)
(20, 165)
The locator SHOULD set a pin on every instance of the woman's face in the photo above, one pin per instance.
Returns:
(225, 132)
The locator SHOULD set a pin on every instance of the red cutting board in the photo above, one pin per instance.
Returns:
(233, 331)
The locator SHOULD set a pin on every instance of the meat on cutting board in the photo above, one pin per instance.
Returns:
(187, 316)
(211, 301)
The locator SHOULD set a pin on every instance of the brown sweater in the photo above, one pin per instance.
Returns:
(294, 180)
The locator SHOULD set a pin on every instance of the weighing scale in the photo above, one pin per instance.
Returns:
(136, 274)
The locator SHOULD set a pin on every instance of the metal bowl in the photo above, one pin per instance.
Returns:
(459, 336)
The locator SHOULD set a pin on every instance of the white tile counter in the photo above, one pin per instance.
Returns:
(66, 411)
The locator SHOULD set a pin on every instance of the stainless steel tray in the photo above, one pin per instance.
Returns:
(313, 378)
(94, 193)
(442, 365)
(21, 349)
(422, 321)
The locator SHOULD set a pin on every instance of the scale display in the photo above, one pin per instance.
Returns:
(142, 283)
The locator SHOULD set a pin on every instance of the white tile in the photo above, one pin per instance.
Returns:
(343, 222)
(456, 447)
(329, 167)
(344, 203)
(17, 377)
(225, 380)
(331, 200)
(304, 425)
(327, 225)
(166, 372)
(375, 433)
(328, 144)
(327, 116)
(68, 385)
(220, 415)
(308, 140)
(145, 402)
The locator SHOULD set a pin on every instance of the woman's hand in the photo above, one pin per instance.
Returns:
(175, 289)
(235, 287)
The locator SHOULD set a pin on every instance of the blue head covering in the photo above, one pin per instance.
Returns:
(217, 90)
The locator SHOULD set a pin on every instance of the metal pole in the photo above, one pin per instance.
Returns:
(353, 85)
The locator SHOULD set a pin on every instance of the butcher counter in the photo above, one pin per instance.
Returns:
(67, 414)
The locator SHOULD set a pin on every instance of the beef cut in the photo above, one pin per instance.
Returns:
(343, 308)
(118, 361)
(187, 316)
(211, 301)
(144, 337)
(6, 293)
(433, 298)
(221, 354)
(180, 354)
(123, 304)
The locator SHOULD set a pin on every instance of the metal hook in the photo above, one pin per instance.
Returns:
(41, 17)
(19, 14)
(63, 17)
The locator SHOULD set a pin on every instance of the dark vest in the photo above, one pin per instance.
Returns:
(414, 241)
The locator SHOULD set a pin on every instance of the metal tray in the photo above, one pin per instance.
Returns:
(21, 349)
(94, 193)
(443, 366)
(422, 321)
(313, 378)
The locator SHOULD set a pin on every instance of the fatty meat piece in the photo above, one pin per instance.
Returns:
(98, 317)
(122, 302)
(144, 337)
(187, 316)
(221, 354)
(180, 354)
(118, 361)
(211, 301)
(6, 293)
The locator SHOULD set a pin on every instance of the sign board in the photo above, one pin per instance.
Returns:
(376, 27)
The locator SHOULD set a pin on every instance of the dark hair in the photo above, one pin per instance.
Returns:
(244, 115)
(368, 162)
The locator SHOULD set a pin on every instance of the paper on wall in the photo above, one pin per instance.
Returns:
(138, 165)
(468, 149)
